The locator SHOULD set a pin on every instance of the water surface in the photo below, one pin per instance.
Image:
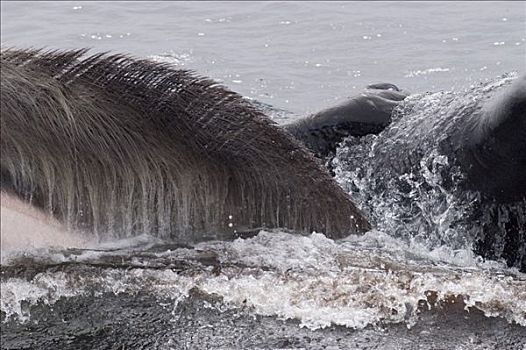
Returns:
(299, 56)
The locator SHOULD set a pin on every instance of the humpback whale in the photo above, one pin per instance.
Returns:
(119, 146)
(446, 167)
(367, 113)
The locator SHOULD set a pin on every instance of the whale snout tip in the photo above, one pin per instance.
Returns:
(387, 90)
(383, 86)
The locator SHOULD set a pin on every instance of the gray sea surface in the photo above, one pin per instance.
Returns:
(299, 56)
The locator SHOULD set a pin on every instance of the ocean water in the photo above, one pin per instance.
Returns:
(279, 290)
(298, 56)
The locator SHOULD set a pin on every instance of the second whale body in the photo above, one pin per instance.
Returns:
(448, 170)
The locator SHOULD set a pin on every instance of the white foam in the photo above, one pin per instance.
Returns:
(354, 282)
(359, 281)
(48, 288)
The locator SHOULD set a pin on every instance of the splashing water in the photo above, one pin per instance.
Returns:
(354, 282)
(412, 190)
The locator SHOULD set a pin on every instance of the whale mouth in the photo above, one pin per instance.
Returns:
(128, 146)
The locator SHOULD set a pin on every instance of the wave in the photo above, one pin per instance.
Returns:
(355, 282)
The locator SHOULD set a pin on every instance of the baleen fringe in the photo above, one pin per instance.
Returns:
(121, 146)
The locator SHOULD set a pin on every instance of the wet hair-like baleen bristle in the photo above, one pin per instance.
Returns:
(119, 146)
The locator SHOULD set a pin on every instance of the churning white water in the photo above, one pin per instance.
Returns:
(355, 282)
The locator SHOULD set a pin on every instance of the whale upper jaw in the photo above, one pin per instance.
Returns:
(367, 113)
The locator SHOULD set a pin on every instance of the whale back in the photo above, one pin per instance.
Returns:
(492, 147)
(119, 146)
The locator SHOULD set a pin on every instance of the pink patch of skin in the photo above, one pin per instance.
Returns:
(26, 227)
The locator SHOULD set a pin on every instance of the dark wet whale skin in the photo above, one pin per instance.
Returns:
(462, 150)
(368, 113)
